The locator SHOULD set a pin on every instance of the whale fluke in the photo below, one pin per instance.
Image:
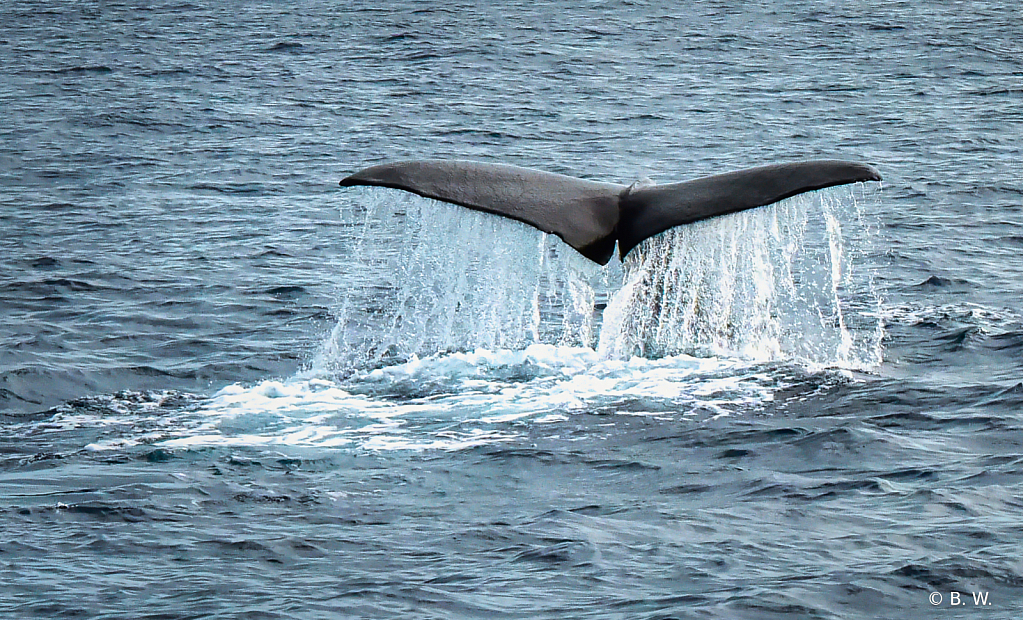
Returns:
(583, 213)
(592, 216)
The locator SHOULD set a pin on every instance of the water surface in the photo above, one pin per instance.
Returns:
(231, 389)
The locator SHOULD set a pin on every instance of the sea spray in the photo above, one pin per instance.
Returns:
(429, 277)
(791, 281)
(767, 284)
(456, 328)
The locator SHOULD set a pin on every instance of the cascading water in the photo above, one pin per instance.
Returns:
(459, 329)
(430, 277)
(786, 282)
(774, 283)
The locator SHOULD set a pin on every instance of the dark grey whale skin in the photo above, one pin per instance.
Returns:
(592, 216)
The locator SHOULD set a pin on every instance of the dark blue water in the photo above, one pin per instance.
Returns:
(231, 389)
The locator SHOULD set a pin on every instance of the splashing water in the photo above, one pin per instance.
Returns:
(445, 402)
(459, 329)
(430, 278)
(775, 283)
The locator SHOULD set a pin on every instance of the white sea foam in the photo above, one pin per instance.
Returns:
(468, 399)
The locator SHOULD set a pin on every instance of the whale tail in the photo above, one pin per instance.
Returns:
(592, 216)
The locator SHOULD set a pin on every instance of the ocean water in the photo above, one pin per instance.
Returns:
(231, 389)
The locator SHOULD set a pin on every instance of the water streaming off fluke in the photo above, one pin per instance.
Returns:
(788, 282)
(458, 280)
(779, 283)
(476, 329)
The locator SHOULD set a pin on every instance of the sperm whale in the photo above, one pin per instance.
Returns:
(593, 216)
